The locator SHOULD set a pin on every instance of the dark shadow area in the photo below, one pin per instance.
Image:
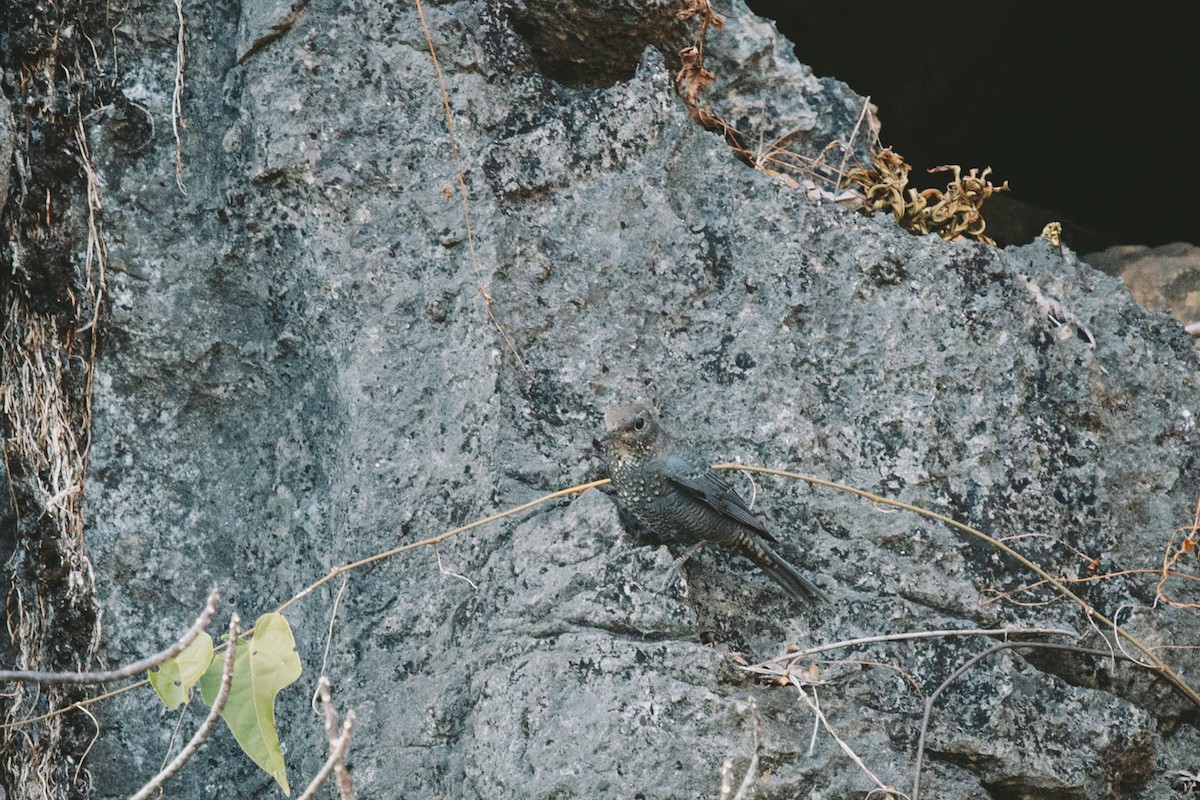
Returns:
(1085, 113)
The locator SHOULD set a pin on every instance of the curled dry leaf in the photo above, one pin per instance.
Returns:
(953, 213)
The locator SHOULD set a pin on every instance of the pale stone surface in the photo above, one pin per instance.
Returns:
(299, 371)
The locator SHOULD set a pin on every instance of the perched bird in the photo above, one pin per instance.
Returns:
(684, 502)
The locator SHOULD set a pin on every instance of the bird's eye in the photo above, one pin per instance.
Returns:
(639, 424)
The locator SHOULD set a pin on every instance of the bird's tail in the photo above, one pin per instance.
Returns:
(778, 569)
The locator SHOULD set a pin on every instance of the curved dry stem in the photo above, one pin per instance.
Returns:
(441, 537)
(1160, 665)
(129, 670)
(462, 189)
(202, 733)
(1186, 546)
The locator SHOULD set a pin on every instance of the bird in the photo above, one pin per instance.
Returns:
(683, 501)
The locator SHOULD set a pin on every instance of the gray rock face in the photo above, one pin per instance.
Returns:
(300, 371)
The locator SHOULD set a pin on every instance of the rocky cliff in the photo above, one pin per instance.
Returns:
(309, 358)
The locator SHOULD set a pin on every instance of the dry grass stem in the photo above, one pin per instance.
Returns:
(1159, 665)
(441, 537)
(462, 191)
(129, 670)
(1189, 546)
(177, 123)
(846, 748)
(337, 601)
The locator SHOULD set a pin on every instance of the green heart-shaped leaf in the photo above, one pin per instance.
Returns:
(265, 663)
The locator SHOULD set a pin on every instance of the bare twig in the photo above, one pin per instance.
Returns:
(848, 148)
(462, 190)
(898, 637)
(995, 595)
(276, 31)
(816, 709)
(127, 671)
(726, 778)
(1160, 666)
(329, 713)
(1187, 546)
(332, 762)
(336, 763)
(362, 562)
(177, 99)
(206, 727)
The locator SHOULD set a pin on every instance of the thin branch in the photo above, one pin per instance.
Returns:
(345, 788)
(1186, 546)
(462, 188)
(206, 727)
(77, 706)
(362, 562)
(177, 99)
(848, 149)
(861, 662)
(816, 709)
(337, 748)
(897, 637)
(332, 762)
(996, 595)
(1161, 666)
(127, 671)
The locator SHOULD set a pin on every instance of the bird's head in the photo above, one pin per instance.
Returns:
(631, 427)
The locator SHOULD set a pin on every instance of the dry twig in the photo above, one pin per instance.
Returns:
(177, 99)
(462, 190)
(1090, 612)
(206, 727)
(441, 537)
(127, 671)
(1188, 545)
(337, 744)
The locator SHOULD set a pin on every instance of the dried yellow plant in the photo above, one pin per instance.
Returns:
(953, 213)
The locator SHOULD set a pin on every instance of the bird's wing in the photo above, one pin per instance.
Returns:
(710, 488)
